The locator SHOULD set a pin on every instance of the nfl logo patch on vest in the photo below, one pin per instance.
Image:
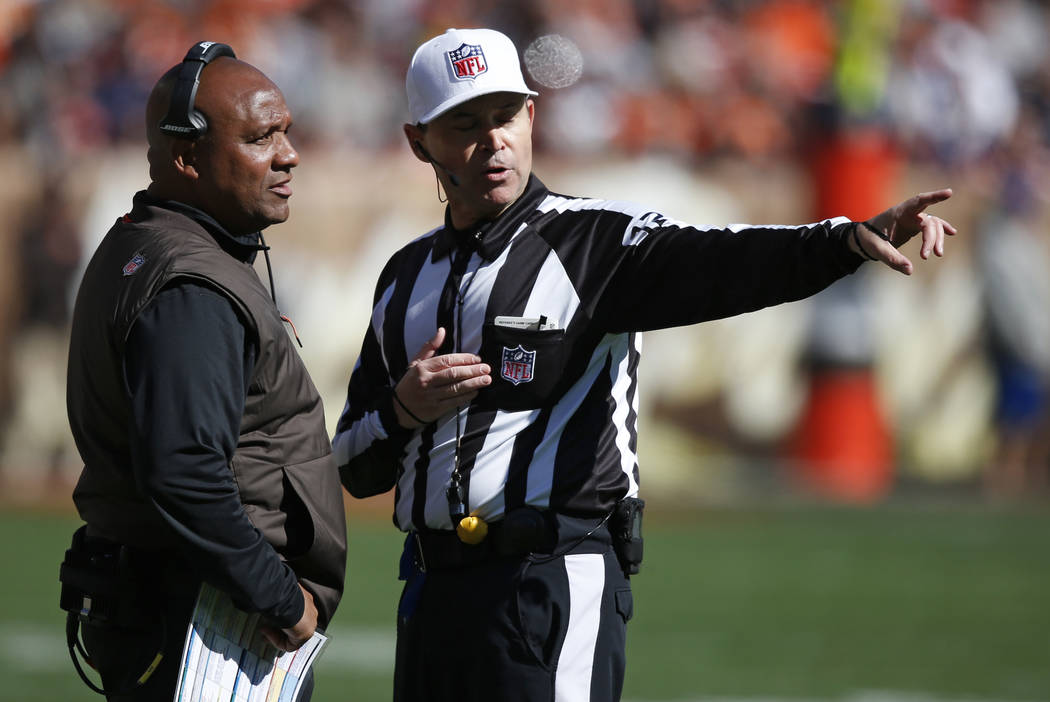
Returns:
(133, 265)
(518, 364)
(468, 61)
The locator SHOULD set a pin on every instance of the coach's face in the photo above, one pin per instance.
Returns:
(487, 144)
(244, 162)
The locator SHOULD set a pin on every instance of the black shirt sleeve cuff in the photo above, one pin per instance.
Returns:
(848, 259)
(289, 612)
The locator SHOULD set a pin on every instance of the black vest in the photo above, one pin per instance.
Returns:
(283, 456)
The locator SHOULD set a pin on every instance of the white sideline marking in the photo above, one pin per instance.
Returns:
(34, 649)
(37, 649)
(361, 649)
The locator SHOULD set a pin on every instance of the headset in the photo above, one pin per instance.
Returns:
(182, 120)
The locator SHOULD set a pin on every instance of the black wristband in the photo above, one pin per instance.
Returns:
(877, 232)
(860, 247)
(409, 412)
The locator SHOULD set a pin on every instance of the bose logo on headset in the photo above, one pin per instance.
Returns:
(182, 120)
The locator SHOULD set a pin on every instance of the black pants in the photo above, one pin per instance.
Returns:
(530, 629)
(122, 654)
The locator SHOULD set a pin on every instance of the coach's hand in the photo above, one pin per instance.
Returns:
(895, 226)
(293, 637)
(436, 385)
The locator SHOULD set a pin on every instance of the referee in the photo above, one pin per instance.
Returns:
(497, 389)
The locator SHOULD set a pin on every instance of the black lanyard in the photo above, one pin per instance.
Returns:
(450, 316)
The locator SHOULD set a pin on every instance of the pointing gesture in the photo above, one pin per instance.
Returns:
(879, 238)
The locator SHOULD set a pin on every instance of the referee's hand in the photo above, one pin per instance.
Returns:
(880, 237)
(291, 638)
(435, 385)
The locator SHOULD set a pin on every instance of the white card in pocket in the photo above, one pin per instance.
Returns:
(541, 323)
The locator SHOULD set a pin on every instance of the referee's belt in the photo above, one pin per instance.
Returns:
(521, 532)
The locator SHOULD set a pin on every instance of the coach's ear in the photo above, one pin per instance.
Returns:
(184, 157)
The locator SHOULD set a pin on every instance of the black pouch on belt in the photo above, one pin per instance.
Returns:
(625, 526)
(99, 584)
(524, 530)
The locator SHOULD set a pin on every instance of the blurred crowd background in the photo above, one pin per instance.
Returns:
(756, 111)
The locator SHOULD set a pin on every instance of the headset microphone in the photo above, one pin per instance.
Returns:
(451, 176)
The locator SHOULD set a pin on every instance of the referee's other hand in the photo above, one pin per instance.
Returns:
(435, 385)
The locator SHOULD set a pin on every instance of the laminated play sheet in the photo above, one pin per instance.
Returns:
(226, 658)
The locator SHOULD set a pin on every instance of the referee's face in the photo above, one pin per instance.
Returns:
(486, 143)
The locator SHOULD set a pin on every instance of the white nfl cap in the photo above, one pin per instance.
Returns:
(460, 65)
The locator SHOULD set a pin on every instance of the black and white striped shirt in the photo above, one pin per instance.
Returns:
(557, 429)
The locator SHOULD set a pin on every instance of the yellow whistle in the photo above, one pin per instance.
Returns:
(472, 530)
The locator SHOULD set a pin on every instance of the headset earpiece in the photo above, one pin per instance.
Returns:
(183, 120)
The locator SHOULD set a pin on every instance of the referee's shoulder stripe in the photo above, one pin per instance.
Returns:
(563, 203)
(637, 215)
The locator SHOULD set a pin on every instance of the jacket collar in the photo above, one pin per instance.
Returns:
(243, 247)
(491, 237)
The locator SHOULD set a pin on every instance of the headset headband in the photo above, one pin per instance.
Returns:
(182, 119)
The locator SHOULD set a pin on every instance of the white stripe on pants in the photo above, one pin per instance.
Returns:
(586, 573)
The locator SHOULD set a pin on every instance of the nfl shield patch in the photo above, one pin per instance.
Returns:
(518, 364)
(134, 264)
(468, 61)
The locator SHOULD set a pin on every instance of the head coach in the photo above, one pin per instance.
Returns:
(205, 452)
(496, 389)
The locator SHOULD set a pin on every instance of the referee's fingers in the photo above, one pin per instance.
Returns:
(458, 391)
(891, 256)
(923, 200)
(936, 226)
(455, 374)
(447, 361)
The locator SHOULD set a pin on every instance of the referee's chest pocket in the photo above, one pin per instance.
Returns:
(527, 366)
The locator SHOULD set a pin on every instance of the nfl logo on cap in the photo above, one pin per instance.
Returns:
(468, 61)
(460, 65)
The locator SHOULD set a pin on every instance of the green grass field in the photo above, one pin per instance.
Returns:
(881, 605)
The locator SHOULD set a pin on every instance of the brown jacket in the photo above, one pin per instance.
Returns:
(283, 456)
